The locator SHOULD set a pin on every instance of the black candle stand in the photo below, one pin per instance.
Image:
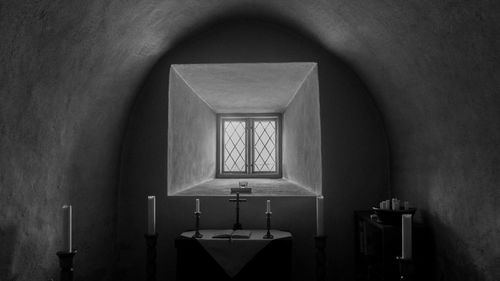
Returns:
(268, 234)
(151, 240)
(405, 269)
(197, 233)
(66, 264)
(320, 244)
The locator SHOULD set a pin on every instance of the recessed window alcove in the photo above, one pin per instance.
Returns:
(198, 93)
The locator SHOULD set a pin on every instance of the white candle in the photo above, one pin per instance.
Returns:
(151, 215)
(406, 242)
(197, 205)
(268, 206)
(320, 231)
(67, 228)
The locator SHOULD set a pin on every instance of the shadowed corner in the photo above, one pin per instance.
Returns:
(440, 249)
(8, 238)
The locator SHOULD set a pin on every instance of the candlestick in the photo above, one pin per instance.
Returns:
(320, 230)
(268, 206)
(66, 264)
(67, 228)
(197, 233)
(406, 239)
(320, 244)
(406, 269)
(151, 215)
(197, 205)
(151, 256)
(268, 234)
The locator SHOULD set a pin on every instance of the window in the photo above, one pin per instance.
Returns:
(249, 145)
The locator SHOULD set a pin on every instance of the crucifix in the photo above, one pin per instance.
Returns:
(238, 190)
(237, 224)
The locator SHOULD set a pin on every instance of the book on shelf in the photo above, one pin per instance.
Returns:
(234, 234)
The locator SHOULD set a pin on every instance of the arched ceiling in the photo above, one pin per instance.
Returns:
(70, 71)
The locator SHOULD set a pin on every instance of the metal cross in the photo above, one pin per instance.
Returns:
(237, 225)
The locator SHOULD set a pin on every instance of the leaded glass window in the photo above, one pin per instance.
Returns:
(249, 145)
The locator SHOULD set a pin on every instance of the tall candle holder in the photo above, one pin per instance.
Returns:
(151, 240)
(197, 233)
(268, 234)
(66, 264)
(405, 269)
(320, 243)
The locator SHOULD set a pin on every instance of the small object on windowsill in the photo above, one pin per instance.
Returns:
(246, 190)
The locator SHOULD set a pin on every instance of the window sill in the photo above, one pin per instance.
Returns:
(260, 187)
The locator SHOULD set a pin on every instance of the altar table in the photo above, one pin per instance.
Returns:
(219, 259)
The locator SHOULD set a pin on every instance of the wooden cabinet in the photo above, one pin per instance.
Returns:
(377, 246)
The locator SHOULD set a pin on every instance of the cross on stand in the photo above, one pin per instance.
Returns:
(237, 225)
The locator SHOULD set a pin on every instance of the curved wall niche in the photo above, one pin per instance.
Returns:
(198, 92)
(354, 153)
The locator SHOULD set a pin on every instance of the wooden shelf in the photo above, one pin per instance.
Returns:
(377, 246)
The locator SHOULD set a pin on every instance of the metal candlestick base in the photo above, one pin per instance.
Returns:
(320, 242)
(405, 269)
(66, 264)
(268, 234)
(197, 233)
(151, 256)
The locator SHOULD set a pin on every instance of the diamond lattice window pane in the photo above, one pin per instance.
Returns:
(264, 150)
(234, 146)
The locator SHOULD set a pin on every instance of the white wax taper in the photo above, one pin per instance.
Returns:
(67, 228)
(151, 215)
(320, 230)
(268, 206)
(406, 239)
(197, 205)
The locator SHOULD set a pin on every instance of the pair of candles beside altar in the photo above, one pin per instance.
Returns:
(320, 229)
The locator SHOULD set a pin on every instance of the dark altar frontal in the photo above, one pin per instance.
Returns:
(225, 259)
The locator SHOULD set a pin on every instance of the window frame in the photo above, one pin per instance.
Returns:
(249, 155)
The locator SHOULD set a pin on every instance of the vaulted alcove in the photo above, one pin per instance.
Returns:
(84, 121)
(354, 166)
(200, 92)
